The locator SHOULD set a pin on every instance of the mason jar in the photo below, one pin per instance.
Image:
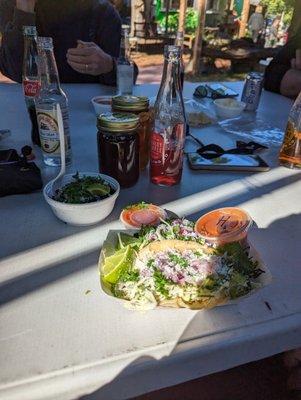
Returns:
(138, 105)
(118, 147)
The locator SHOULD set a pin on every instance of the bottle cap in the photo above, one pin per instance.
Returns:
(30, 30)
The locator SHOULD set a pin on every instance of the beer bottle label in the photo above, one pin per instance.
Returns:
(31, 88)
(49, 131)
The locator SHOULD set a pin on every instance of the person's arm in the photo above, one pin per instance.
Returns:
(290, 85)
(279, 67)
(98, 58)
(11, 23)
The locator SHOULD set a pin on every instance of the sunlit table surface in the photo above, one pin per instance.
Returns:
(62, 338)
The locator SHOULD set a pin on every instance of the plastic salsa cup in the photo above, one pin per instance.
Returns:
(224, 225)
(136, 215)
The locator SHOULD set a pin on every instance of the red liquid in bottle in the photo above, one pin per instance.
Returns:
(167, 139)
(166, 162)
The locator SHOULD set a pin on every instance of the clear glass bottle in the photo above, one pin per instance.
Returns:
(290, 152)
(30, 78)
(168, 137)
(125, 67)
(49, 96)
(180, 42)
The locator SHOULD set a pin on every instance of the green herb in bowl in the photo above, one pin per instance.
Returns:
(85, 189)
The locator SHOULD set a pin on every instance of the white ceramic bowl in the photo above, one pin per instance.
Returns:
(82, 214)
(228, 108)
(102, 104)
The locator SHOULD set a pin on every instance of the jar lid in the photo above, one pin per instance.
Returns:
(117, 122)
(130, 103)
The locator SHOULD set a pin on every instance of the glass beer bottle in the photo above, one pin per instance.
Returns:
(168, 136)
(290, 152)
(125, 67)
(30, 78)
(49, 96)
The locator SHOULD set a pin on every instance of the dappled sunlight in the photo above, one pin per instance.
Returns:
(77, 245)
(74, 325)
(184, 338)
(91, 239)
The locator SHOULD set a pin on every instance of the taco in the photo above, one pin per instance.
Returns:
(182, 273)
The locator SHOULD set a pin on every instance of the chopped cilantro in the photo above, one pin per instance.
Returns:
(150, 263)
(137, 206)
(85, 189)
(129, 276)
(160, 283)
(178, 260)
(210, 283)
(240, 259)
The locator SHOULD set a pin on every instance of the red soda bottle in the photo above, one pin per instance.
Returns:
(31, 78)
(180, 42)
(168, 137)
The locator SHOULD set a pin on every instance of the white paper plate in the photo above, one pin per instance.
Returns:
(109, 247)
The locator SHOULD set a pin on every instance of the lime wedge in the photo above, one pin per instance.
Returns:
(97, 189)
(115, 264)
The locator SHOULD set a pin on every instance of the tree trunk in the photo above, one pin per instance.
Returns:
(182, 14)
(296, 20)
(167, 3)
(197, 48)
(244, 18)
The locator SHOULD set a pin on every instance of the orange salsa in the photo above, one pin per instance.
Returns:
(224, 225)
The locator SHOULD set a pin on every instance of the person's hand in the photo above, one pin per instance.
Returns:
(26, 5)
(296, 62)
(88, 58)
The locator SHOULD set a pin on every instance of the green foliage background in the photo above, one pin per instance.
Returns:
(191, 21)
(276, 7)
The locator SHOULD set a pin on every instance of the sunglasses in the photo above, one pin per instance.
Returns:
(211, 151)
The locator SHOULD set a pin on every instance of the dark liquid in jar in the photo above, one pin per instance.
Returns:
(118, 156)
(35, 136)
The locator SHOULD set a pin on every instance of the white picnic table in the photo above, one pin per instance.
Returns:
(61, 337)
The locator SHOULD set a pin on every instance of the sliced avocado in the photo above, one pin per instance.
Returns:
(98, 189)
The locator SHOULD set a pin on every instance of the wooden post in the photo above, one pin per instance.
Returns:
(133, 17)
(182, 14)
(296, 19)
(197, 48)
(244, 18)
